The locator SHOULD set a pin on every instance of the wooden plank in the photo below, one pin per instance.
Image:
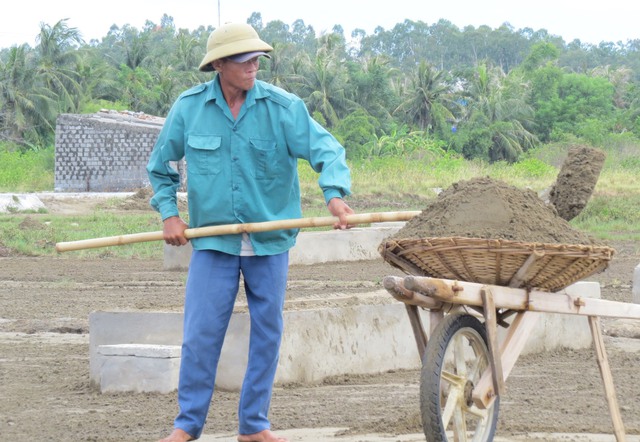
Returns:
(517, 335)
(607, 378)
(435, 316)
(418, 330)
(461, 292)
(521, 274)
(491, 326)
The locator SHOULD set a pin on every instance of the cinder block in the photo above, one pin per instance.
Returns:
(139, 368)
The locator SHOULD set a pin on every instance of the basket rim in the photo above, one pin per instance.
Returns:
(549, 266)
(494, 244)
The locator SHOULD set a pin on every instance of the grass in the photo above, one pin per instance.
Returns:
(378, 185)
(37, 234)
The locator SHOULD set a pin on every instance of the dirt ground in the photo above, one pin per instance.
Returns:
(45, 393)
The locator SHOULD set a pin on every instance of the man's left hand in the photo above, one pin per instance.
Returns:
(339, 208)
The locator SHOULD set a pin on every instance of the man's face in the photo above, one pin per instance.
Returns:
(239, 75)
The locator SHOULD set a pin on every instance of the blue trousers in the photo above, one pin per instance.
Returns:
(211, 289)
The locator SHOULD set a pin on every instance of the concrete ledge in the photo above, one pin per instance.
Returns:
(372, 337)
(141, 350)
(635, 290)
(313, 247)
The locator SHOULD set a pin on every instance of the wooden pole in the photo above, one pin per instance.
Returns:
(607, 378)
(227, 229)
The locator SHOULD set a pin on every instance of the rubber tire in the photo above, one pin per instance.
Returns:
(430, 378)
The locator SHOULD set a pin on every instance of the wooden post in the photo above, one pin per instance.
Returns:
(607, 378)
(491, 326)
(517, 335)
(418, 329)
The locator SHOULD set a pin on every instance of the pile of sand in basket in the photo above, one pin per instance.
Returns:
(491, 209)
(486, 231)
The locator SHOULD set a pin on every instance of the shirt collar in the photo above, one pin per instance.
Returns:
(257, 92)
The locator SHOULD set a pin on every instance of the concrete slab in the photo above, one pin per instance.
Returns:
(16, 202)
(334, 435)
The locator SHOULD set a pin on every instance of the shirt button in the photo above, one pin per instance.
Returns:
(235, 158)
(235, 128)
(235, 187)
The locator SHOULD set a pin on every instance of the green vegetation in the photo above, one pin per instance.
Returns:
(485, 94)
(382, 184)
(26, 171)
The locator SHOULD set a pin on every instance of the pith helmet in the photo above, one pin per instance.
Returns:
(231, 39)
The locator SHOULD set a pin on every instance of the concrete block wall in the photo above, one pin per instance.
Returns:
(104, 152)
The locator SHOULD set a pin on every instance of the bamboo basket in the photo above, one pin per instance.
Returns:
(543, 266)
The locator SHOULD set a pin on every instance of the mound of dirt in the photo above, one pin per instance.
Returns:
(138, 201)
(141, 198)
(576, 181)
(491, 209)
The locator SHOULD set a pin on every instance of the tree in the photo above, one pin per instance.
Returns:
(498, 119)
(370, 86)
(428, 99)
(326, 81)
(27, 107)
(57, 61)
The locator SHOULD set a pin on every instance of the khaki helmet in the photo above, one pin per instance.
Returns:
(232, 39)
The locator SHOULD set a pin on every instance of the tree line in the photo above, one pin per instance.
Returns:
(491, 94)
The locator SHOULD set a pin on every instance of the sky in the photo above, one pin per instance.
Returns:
(590, 22)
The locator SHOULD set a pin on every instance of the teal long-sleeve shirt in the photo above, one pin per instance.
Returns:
(245, 169)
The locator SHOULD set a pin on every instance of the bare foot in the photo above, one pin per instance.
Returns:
(177, 435)
(263, 436)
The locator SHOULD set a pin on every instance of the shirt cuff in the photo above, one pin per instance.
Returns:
(331, 193)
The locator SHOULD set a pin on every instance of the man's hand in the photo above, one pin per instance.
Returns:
(173, 231)
(339, 208)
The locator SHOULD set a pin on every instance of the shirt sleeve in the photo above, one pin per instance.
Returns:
(164, 179)
(308, 140)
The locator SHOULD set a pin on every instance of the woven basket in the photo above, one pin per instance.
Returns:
(549, 267)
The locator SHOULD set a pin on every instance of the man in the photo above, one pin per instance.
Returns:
(241, 139)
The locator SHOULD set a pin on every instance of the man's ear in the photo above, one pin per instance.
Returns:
(217, 64)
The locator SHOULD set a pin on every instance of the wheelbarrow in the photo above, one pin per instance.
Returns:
(472, 286)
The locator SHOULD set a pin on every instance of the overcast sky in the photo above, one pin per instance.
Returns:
(591, 22)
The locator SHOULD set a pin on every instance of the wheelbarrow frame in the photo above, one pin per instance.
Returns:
(495, 304)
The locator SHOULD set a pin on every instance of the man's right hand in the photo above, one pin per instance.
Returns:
(173, 231)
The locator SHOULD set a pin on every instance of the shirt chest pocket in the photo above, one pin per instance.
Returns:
(263, 153)
(204, 154)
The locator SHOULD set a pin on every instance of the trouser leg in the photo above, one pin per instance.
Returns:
(265, 279)
(211, 289)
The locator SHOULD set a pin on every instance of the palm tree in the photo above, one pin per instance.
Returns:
(57, 62)
(188, 51)
(27, 107)
(497, 105)
(428, 98)
(371, 86)
(326, 81)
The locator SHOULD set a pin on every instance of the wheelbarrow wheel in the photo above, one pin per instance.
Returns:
(456, 356)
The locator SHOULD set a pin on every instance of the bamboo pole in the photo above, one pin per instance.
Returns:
(227, 229)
